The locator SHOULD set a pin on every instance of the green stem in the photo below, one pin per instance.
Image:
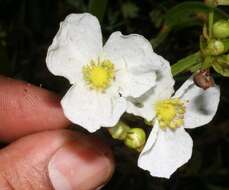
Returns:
(160, 37)
(186, 63)
(210, 22)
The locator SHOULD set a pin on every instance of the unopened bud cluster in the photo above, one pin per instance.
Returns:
(216, 48)
(219, 44)
(133, 138)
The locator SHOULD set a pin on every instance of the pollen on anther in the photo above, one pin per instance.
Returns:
(170, 113)
(99, 75)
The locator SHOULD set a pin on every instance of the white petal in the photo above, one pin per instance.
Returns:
(201, 106)
(171, 150)
(78, 41)
(152, 137)
(133, 55)
(144, 105)
(91, 109)
(184, 87)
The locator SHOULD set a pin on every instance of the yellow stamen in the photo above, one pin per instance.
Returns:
(170, 113)
(99, 75)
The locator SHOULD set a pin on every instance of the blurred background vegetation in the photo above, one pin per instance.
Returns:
(27, 28)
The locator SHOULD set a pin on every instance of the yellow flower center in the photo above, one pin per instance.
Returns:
(170, 113)
(99, 75)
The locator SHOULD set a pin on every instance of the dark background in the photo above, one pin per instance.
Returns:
(27, 27)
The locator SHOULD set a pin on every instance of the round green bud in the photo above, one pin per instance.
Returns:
(119, 131)
(135, 139)
(221, 29)
(215, 47)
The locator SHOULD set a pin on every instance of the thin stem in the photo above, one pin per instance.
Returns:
(210, 22)
(160, 38)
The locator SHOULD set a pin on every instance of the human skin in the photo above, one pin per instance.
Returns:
(40, 153)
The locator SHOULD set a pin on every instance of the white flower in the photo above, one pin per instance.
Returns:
(101, 77)
(169, 146)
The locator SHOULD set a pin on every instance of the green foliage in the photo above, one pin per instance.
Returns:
(183, 15)
(189, 14)
(186, 63)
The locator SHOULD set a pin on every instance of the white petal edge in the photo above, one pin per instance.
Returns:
(78, 41)
(92, 110)
(152, 137)
(171, 150)
(163, 90)
(201, 104)
(134, 57)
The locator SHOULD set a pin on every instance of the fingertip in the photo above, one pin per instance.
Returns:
(25, 109)
(94, 165)
(61, 158)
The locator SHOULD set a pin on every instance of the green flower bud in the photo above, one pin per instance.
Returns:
(135, 139)
(119, 131)
(221, 29)
(221, 65)
(215, 47)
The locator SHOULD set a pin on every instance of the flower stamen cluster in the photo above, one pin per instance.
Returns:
(99, 75)
(170, 113)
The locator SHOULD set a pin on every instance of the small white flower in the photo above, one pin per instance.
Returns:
(169, 146)
(101, 77)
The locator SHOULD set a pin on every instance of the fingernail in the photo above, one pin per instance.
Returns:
(79, 166)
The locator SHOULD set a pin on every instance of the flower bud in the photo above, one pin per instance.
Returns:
(215, 47)
(119, 131)
(221, 65)
(221, 29)
(135, 139)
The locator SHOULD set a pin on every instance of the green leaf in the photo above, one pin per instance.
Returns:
(186, 63)
(184, 15)
(190, 14)
(98, 8)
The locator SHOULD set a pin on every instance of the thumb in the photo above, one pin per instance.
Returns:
(59, 159)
